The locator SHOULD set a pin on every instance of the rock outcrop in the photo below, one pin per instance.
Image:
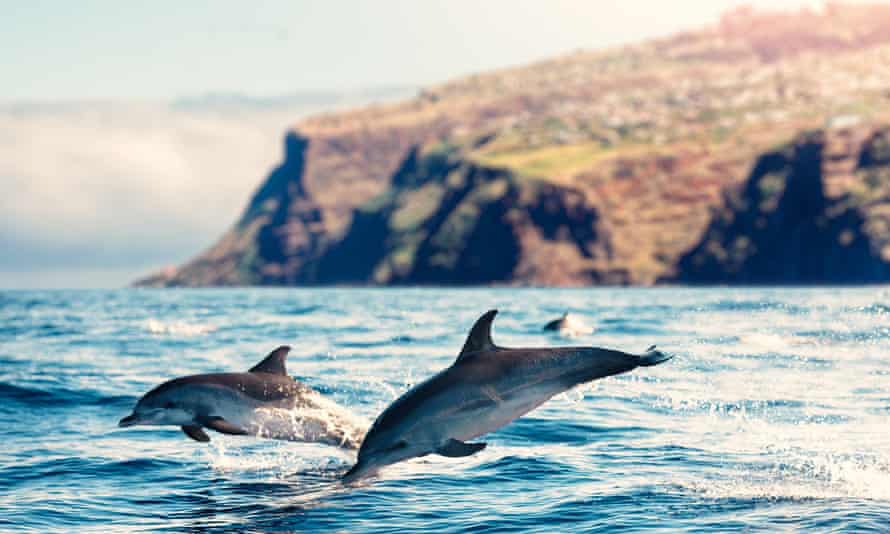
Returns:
(447, 220)
(815, 211)
(281, 228)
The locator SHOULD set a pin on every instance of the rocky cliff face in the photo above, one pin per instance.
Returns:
(606, 166)
(446, 220)
(279, 231)
(816, 210)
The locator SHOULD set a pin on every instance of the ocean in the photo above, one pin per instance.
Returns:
(774, 414)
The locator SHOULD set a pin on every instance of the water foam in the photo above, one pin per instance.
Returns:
(177, 328)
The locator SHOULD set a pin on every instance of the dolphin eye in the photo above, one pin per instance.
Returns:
(399, 445)
(168, 405)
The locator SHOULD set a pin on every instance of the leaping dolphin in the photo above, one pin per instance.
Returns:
(486, 388)
(263, 402)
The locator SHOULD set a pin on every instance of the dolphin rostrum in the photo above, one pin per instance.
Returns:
(263, 402)
(486, 388)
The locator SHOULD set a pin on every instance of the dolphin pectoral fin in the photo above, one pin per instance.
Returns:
(458, 449)
(222, 426)
(196, 433)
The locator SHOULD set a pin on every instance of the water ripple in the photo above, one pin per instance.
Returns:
(771, 417)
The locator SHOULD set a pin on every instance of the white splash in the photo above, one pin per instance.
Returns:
(318, 420)
(275, 461)
(177, 328)
(570, 325)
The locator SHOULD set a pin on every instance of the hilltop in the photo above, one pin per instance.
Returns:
(633, 165)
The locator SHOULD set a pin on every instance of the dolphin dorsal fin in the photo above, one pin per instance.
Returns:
(273, 363)
(480, 336)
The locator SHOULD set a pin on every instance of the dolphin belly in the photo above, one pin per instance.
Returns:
(485, 410)
(226, 403)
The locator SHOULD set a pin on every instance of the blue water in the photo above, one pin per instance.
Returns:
(774, 415)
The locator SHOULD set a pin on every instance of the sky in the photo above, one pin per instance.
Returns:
(92, 49)
(106, 179)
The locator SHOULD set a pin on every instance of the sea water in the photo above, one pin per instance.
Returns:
(774, 414)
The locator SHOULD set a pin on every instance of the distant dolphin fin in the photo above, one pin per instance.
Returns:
(273, 363)
(553, 325)
(480, 335)
(221, 425)
(458, 449)
(196, 433)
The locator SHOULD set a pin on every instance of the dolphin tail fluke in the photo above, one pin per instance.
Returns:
(653, 357)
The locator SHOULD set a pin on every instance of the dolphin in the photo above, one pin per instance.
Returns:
(263, 402)
(486, 388)
(568, 325)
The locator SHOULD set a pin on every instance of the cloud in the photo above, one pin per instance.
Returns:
(125, 187)
(96, 194)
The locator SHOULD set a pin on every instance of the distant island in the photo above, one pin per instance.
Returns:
(756, 151)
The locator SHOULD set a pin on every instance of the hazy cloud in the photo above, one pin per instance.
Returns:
(109, 191)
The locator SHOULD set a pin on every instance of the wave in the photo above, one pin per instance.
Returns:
(279, 460)
(38, 330)
(754, 306)
(541, 431)
(177, 328)
(83, 467)
(824, 476)
(873, 309)
(58, 396)
(298, 310)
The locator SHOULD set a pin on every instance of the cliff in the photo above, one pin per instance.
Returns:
(816, 210)
(632, 165)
